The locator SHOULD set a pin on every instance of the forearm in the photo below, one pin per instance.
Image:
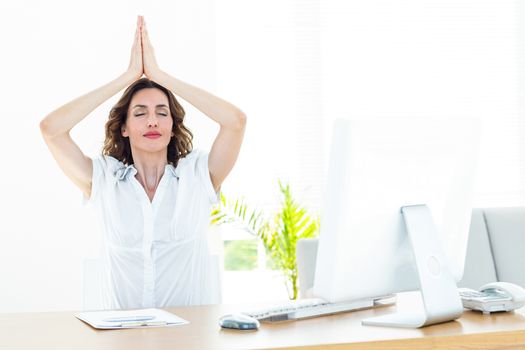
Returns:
(219, 110)
(63, 119)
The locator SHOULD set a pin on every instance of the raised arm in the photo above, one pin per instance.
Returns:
(55, 127)
(231, 119)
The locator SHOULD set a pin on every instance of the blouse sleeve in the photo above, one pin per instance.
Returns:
(99, 170)
(204, 175)
(198, 162)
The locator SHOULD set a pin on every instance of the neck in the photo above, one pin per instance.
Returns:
(150, 168)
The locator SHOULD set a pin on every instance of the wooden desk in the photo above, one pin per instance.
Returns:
(61, 330)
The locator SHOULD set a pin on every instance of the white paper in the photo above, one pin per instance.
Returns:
(119, 319)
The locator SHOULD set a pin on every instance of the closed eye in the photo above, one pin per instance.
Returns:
(140, 114)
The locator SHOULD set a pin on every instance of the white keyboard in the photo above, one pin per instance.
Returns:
(307, 308)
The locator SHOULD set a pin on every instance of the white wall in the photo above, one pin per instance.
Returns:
(431, 59)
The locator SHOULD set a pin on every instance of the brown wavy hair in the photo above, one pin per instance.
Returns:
(117, 146)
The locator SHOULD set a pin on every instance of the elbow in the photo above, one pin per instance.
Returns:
(44, 127)
(236, 121)
(47, 129)
(240, 120)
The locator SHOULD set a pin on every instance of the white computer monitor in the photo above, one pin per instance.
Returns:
(376, 167)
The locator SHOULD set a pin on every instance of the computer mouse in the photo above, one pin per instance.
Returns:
(239, 321)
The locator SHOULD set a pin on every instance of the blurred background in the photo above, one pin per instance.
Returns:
(291, 65)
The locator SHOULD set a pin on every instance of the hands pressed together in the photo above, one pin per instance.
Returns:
(142, 54)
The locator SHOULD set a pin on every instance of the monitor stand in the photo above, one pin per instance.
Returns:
(439, 292)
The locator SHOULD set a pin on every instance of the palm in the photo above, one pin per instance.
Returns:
(135, 63)
(148, 54)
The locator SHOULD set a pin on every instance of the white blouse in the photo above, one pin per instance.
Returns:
(155, 253)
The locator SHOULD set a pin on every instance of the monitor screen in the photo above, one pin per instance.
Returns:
(377, 166)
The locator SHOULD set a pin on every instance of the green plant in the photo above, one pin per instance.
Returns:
(240, 255)
(279, 231)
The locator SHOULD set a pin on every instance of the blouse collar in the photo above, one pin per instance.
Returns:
(126, 171)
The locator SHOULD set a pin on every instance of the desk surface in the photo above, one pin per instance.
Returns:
(61, 330)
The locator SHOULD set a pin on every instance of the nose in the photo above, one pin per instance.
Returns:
(152, 121)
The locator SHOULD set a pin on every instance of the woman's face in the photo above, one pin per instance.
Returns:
(149, 123)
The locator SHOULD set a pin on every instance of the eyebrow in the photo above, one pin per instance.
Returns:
(144, 106)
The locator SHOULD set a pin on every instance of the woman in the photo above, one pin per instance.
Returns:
(152, 192)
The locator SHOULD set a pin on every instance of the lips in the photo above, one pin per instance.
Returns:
(152, 135)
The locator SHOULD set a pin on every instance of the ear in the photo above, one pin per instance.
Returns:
(123, 131)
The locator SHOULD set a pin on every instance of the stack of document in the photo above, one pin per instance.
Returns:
(130, 319)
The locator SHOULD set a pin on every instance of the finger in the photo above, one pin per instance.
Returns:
(144, 35)
(137, 31)
(139, 27)
(142, 39)
(144, 27)
(136, 39)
